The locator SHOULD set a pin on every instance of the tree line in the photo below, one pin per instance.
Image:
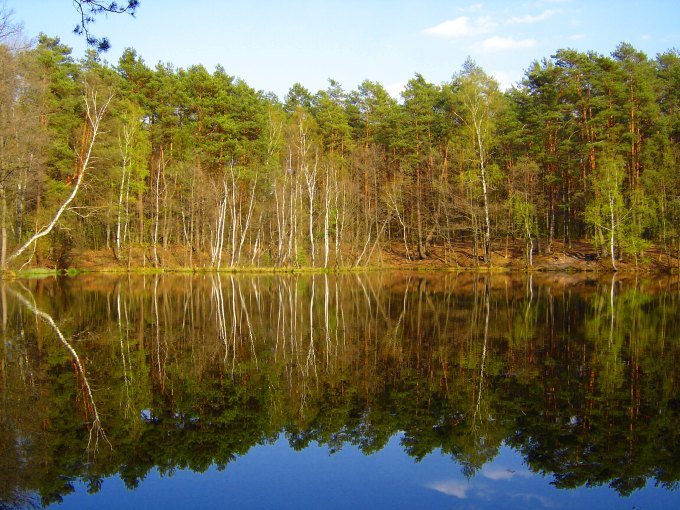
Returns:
(198, 169)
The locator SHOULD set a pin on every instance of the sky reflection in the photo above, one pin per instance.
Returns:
(276, 476)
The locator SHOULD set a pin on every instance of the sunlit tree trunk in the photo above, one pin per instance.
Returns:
(94, 113)
(124, 147)
(326, 218)
(485, 191)
(479, 101)
(246, 226)
(160, 175)
(217, 242)
(280, 222)
(3, 227)
(309, 171)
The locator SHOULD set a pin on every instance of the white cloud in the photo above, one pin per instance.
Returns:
(532, 19)
(498, 43)
(532, 498)
(471, 8)
(451, 488)
(503, 474)
(577, 37)
(462, 26)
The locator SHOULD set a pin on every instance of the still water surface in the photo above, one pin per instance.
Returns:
(380, 390)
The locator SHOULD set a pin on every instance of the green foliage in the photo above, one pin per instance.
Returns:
(523, 215)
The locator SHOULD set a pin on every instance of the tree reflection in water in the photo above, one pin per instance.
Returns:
(578, 375)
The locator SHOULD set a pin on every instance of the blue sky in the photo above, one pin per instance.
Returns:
(273, 44)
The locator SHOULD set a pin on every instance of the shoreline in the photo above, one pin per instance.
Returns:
(578, 258)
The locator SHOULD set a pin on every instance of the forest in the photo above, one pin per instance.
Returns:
(159, 167)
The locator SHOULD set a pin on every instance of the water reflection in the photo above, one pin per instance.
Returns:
(578, 375)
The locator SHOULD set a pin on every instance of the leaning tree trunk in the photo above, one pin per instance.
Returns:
(94, 114)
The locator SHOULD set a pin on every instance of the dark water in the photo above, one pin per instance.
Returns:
(364, 391)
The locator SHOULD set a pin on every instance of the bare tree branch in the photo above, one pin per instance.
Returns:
(89, 9)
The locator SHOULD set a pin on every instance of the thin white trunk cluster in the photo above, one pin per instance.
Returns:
(287, 197)
(230, 212)
(308, 185)
(318, 195)
(309, 171)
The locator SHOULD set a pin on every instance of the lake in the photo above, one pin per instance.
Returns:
(368, 390)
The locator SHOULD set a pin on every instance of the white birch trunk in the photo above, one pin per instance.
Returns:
(612, 230)
(326, 219)
(235, 216)
(482, 169)
(94, 113)
(244, 230)
(124, 146)
(310, 178)
(162, 162)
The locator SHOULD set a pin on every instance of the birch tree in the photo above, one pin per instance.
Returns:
(478, 102)
(94, 111)
(605, 212)
(308, 163)
(133, 146)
